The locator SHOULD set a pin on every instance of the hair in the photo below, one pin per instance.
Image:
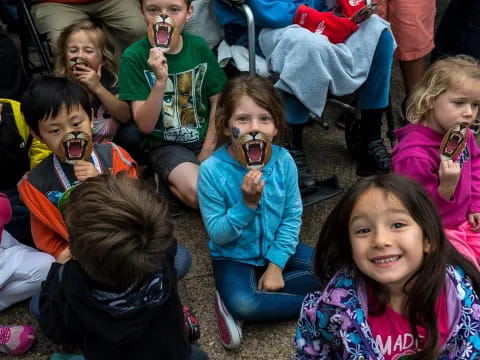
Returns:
(442, 75)
(119, 229)
(97, 34)
(333, 252)
(46, 97)
(188, 2)
(261, 91)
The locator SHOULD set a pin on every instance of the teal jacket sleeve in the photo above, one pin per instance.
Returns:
(287, 235)
(223, 225)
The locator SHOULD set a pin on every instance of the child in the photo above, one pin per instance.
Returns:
(253, 217)
(310, 66)
(448, 94)
(399, 289)
(22, 271)
(58, 112)
(172, 82)
(118, 298)
(84, 54)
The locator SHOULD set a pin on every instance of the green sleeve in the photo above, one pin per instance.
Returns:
(133, 84)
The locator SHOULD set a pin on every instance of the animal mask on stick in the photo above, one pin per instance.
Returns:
(454, 141)
(163, 33)
(76, 145)
(77, 60)
(253, 150)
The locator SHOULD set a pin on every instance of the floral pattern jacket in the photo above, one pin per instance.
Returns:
(333, 323)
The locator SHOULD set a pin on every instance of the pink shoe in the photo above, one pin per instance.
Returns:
(16, 340)
(229, 329)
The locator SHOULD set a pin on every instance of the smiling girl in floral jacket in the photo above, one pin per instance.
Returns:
(399, 290)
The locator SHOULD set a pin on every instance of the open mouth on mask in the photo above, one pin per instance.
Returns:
(163, 34)
(77, 61)
(453, 142)
(75, 148)
(254, 152)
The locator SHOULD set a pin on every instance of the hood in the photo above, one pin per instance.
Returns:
(124, 313)
(414, 135)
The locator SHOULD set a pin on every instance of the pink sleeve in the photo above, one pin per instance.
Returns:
(475, 158)
(5, 210)
(425, 172)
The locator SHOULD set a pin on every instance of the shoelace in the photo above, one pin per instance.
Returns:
(5, 334)
(380, 154)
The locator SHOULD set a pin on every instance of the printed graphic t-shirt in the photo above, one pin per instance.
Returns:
(104, 125)
(193, 76)
(392, 331)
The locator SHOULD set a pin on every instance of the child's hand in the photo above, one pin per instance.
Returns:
(449, 174)
(272, 279)
(158, 62)
(64, 256)
(252, 187)
(89, 77)
(474, 221)
(84, 170)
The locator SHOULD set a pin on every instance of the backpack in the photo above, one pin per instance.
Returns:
(14, 146)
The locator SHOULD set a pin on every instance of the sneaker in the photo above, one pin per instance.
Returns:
(305, 176)
(375, 159)
(229, 329)
(192, 327)
(15, 340)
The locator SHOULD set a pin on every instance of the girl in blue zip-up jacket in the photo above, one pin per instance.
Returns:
(251, 206)
(399, 289)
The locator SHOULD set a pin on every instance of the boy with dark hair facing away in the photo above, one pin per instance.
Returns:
(58, 112)
(173, 81)
(117, 298)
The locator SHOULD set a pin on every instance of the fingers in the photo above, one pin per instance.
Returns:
(82, 69)
(158, 62)
(84, 170)
(253, 182)
(260, 284)
(474, 221)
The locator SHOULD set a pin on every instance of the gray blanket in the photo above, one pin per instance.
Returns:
(310, 66)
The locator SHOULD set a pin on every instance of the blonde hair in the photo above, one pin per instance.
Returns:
(109, 62)
(441, 76)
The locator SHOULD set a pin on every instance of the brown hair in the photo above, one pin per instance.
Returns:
(261, 91)
(442, 75)
(188, 2)
(334, 251)
(97, 33)
(119, 229)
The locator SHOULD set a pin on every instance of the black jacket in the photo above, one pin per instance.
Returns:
(143, 322)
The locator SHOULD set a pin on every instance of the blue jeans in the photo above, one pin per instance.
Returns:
(182, 263)
(373, 94)
(237, 284)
